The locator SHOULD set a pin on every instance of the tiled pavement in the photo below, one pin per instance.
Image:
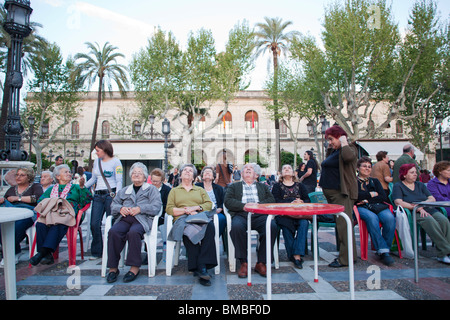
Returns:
(57, 282)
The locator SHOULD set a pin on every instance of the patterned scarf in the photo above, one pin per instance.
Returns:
(64, 193)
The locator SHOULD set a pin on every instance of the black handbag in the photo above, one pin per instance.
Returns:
(376, 207)
(199, 218)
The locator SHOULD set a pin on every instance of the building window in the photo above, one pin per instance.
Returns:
(225, 126)
(283, 128)
(201, 125)
(75, 130)
(399, 129)
(251, 122)
(106, 128)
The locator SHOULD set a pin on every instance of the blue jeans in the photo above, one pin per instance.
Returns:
(382, 240)
(100, 205)
(296, 243)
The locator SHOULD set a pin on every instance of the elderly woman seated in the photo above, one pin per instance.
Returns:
(133, 209)
(48, 233)
(184, 201)
(436, 225)
(24, 195)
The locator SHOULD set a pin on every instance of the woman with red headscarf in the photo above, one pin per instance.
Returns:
(339, 185)
(436, 225)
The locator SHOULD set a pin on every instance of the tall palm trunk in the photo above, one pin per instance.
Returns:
(97, 115)
(275, 104)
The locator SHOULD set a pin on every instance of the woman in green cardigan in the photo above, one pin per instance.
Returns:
(339, 184)
(188, 200)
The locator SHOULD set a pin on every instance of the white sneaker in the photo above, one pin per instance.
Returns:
(445, 259)
(2, 263)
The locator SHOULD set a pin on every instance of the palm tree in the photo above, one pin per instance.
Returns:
(271, 36)
(101, 65)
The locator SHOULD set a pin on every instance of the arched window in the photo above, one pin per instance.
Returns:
(226, 126)
(251, 122)
(75, 130)
(201, 125)
(106, 128)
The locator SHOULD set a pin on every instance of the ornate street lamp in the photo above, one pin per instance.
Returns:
(17, 24)
(166, 132)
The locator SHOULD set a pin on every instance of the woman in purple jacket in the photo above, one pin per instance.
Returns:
(439, 186)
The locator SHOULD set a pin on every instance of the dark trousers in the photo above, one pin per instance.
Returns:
(49, 236)
(238, 234)
(100, 205)
(127, 229)
(336, 197)
(202, 254)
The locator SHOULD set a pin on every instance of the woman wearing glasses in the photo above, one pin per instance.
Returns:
(23, 195)
(373, 210)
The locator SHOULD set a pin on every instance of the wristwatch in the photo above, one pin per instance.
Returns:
(20, 198)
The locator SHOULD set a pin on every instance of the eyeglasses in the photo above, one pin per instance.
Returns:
(20, 175)
(366, 166)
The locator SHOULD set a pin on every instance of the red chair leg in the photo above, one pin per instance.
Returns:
(363, 235)
(81, 243)
(72, 245)
(399, 249)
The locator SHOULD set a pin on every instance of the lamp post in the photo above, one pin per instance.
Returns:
(325, 125)
(31, 120)
(151, 119)
(166, 132)
(17, 24)
(439, 121)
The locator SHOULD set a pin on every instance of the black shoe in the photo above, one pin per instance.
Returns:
(130, 276)
(48, 259)
(203, 274)
(36, 259)
(298, 263)
(112, 276)
(205, 282)
(336, 264)
(386, 259)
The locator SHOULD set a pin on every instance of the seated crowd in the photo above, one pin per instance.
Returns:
(193, 206)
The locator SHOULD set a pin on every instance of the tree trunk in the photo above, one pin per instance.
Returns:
(94, 130)
(275, 104)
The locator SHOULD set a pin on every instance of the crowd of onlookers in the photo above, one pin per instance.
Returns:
(193, 198)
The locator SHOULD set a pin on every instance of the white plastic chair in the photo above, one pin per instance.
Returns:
(87, 218)
(173, 247)
(231, 252)
(151, 241)
(30, 232)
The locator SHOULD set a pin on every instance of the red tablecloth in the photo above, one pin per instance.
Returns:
(294, 208)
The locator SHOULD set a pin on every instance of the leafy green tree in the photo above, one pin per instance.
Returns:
(53, 97)
(101, 65)
(426, 96)
(366, 68)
